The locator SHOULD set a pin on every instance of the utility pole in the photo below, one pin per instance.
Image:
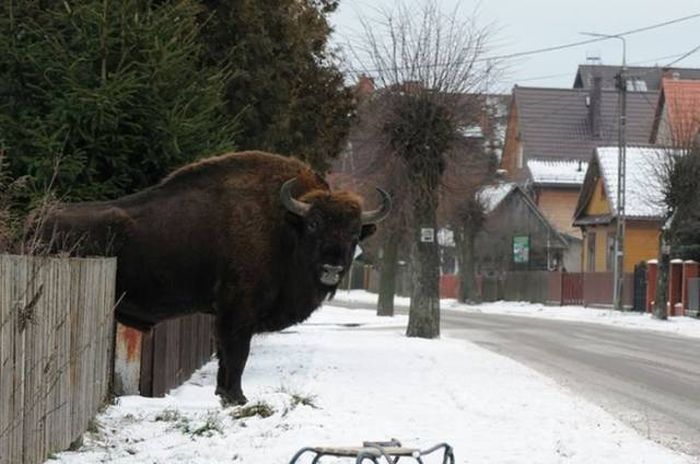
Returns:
(621, 189)
(619, 262)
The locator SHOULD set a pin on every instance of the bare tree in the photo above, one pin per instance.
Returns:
(366, 163)
(424, 61)
(679, 171)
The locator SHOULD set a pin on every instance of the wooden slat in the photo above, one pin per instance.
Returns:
(55, 368)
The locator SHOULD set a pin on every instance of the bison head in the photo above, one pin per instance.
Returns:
(330, 225)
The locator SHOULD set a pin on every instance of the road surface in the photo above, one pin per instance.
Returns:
(648, 380)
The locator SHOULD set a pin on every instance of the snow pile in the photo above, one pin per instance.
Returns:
(345, 377)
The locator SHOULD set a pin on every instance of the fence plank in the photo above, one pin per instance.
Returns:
(55, 347)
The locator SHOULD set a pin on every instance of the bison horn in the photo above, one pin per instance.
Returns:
(295, 206)
(374, 216)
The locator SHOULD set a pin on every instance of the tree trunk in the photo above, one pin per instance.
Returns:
(387, 276)
(466, 241)
(661, 297)
(424, 314)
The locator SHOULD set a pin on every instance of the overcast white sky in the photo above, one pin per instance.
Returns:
(523, 25)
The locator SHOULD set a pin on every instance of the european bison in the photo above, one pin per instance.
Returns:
(258, 239)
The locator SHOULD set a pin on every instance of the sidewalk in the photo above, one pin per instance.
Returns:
(332, 381)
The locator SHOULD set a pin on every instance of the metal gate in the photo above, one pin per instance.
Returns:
(694, 297)
(639, 302)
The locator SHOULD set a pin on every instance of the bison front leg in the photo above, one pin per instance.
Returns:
(233, 354)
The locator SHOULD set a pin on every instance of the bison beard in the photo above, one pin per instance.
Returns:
(257, 239)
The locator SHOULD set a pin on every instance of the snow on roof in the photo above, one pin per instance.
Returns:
(643, 186)
(565, 172)
(491, 196)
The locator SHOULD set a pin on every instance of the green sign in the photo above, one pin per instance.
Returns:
(521, 249)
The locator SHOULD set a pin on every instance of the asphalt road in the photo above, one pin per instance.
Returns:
(648, 380)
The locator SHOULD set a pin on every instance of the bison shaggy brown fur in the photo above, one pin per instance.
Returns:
(257, 239)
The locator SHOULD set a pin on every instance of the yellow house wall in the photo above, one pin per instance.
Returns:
(558, 206)
(601, 233)
(598, 204)
(641, 243)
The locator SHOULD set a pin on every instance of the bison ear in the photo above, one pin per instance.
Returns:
(367, 230)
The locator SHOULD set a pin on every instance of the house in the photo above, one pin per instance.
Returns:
(677, 115)
(549, 139)
(515, 236)
(640, 78)
(597, 212)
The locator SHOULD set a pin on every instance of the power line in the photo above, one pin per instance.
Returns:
(679, 57)
(683, 56)
(544, 49)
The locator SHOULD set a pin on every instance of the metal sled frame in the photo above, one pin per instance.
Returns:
(391, 451)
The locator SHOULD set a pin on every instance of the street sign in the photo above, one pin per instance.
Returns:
(427, 235)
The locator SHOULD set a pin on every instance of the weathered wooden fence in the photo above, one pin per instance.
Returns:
(150, 364)
(56, 338)
(173, 350)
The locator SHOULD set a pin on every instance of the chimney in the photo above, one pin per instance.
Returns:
(670, 73)
(594, 107)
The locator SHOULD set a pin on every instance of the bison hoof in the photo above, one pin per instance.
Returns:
(230, 398)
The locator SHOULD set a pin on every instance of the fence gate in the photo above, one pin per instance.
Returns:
(639, 302)
(572, 288)
(694, 297)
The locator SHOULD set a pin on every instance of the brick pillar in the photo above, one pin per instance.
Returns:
(690, 269)
(652, 275)
(675, 287)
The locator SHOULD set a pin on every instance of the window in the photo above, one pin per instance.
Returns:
(636, 85)
(590, 238)
(610, 252)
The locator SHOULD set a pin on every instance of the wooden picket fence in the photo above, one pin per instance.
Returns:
(56, 341)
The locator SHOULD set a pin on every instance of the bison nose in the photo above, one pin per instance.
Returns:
(333, 269)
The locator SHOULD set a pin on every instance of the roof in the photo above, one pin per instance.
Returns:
(491, 196)
(557, 172)
(650, 76)
(680, 99)
(644, 197)
(554, 123)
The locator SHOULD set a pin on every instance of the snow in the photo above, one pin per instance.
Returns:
(685, 326)
(491, 196)
(348, 376)
(643, 186)
(564, 172)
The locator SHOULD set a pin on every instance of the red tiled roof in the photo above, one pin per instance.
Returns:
(682, 105)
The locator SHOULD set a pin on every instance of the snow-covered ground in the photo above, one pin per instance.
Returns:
(687, 326)
(347, 376)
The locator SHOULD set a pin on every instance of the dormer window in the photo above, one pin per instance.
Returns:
(636, 85)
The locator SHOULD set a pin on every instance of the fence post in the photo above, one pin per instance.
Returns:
(652, 275)
(127, 360)
(690, 270)
(675, 286)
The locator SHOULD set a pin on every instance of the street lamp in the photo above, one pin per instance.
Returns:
(618, 268)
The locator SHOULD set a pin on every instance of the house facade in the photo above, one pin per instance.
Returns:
(516, 236)
(596, 211)
(550, 136)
